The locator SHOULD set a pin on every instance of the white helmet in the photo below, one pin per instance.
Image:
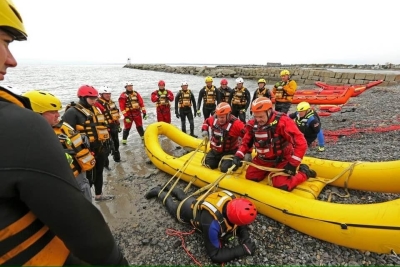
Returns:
(104, 90)
(184, 83)
(239, 80)
(128, 83)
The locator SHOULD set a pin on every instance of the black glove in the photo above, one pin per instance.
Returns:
(119, 129)
(177, 115)
(237, 162)
(289, 169)
(249, 247)
(145, 116)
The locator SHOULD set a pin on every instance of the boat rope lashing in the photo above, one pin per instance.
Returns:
(203, 159)
(272, 171)
(210, 187)
(226, 157)
(350, 170)
(181, 171)
(194, 178)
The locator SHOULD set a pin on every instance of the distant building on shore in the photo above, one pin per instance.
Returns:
(128, 62)
(273, 64)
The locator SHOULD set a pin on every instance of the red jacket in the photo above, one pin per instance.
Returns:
(155, 96)
(126, 107)
(296, 146)
(224, 138)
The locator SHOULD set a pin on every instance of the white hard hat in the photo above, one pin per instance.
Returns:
(184, 83)
(239, 80)
(128, 83)
(104, 90)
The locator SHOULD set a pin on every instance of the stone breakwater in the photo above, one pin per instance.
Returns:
(301, 76)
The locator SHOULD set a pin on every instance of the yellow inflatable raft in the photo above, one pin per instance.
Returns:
(372, 227)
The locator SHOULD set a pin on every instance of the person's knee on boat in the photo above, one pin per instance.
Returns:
(223, 130)
(278, 143)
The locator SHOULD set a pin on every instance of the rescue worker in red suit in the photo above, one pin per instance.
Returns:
(224, 130)
(132, 107)
(162, 98)
(111, 113)
(219, 216)
(278, 143)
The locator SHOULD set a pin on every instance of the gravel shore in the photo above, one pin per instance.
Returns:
(140, 228)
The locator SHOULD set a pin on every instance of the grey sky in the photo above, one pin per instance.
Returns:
(220, 32)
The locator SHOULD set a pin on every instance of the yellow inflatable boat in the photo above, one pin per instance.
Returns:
(372, 227)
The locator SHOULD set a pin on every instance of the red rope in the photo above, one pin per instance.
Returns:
(333, 136)
(181, 235)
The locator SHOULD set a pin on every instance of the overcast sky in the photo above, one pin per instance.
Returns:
(215, 32)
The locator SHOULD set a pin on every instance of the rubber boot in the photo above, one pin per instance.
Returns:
(117, 156)
(140, 130)
(192, 129)
(153, 192)
(125, 134)
(309, 172)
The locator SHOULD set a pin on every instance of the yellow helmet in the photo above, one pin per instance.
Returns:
(262, 81)
(303, 106)
(209, 79)
(285, 72)
(11, 21)
(43, 101)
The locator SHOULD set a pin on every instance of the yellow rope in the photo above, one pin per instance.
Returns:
(182, 169)
(202, 162)
(208, 187)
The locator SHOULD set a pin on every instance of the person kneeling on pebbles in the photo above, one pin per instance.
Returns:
(219, 216)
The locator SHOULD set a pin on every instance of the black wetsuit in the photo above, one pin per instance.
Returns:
(210, 228)
(186, 112)
(208, 109)
(95, 176)
(36, 177)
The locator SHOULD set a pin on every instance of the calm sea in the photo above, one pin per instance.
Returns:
(64, 80)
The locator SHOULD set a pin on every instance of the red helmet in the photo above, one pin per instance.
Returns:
(87, 90)
(224, 82)
(161, 83)
(241, 211)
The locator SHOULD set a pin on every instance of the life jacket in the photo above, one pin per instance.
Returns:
(162, 98)
(73, 144)
(280, 93)
(220, 140)
(95, 125)
(304, 123)
(214, 204)
(24, 239)
(239, 97)
(132, 101)
(210, 96)
(185, 98)
(111, 111)
(268, 144)
(225, 94)
(263, 92)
